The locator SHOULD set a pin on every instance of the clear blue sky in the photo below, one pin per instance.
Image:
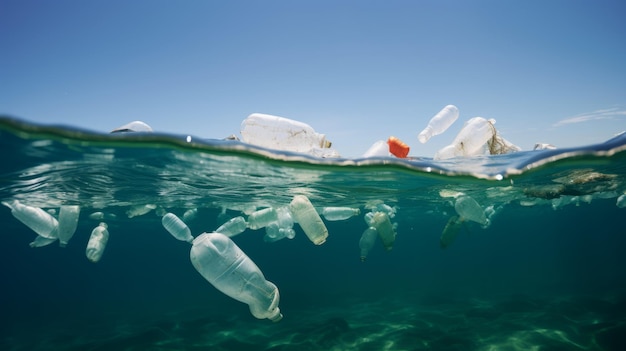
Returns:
(358, 71)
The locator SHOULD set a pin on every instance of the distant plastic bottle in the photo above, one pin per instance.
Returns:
(222, 263)
(621, 201)
(40, 221)
(471, 140)
(439, 123)
(467, 208)
(232, 227)
(261, 218)
(190, 215)
(450, 231)
(68, 221)
(281, 133)
(339, 213)
(385, 229)
(40, 241)
(367, 242)
(176, 227)
(97, 243)
(378, 149)
(309, 220)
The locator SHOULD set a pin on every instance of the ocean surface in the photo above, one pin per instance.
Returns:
(546, 272)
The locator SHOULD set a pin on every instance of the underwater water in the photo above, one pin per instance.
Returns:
(547, 271)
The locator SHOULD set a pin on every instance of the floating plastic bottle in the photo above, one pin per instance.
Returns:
(450, 231)
(40, 221)
(397, 147)
(261, 218)
(68, 221)
(471, 140)
(367, 241)
(309, 220)
(190, 215)
(281, 133)
(284, 217)
(40, 241)
(378, 149)
(467, 208)
(222, 263)
(232, 227)
(139, 210)
(385, 230)
(135, 126)
(176, 227)
(621, 201)
(439, 123)
(97, 243)
(339, 213)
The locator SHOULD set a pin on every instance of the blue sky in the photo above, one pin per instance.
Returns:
(358, 71)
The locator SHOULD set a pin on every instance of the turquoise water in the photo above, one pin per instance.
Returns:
(548, 272)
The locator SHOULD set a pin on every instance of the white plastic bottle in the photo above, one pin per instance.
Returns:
(439, 123)
(68, 221)
(471, 140)
(309, 220)
(467, 208)
(378, 149)
(233, 226)
(40, 221)
(176, 227)
(367, 241)
(339, 213)
(385, 230)
(222, 263)
(97, 243)
(261, 218)
(281, 133)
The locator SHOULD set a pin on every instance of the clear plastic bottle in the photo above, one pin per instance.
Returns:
(471, 140)
(40, 241)
(261, 218)
(176, 227)
(233, 226)
(467, 208)
(339, 213)
(385, 229)
(97, 243)
(621, 201)
(378, 149)
(367, 241)
(309, 220)
(281, 133)
(40, 221)
(222, 263)
(439, 123)
(68, 221)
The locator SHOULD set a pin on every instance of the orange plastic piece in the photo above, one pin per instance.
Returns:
(397, 147)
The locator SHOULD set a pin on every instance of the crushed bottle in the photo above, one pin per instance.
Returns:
(367, 241)
(97, 243)
(222, 263)
(40, 221)
(68, 221)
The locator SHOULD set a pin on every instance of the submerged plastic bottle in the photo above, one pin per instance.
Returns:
(68, 221)
(222, 263)
(97, 243)
(385, 230)
(233, 226)
(40, 221)
(40, 241)
(467, 208)
(281, 133)
(261, 218)
(176, 227)
(367, 241)
(450, 231)
(339, 213)
(309, 220)
(439, 123)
